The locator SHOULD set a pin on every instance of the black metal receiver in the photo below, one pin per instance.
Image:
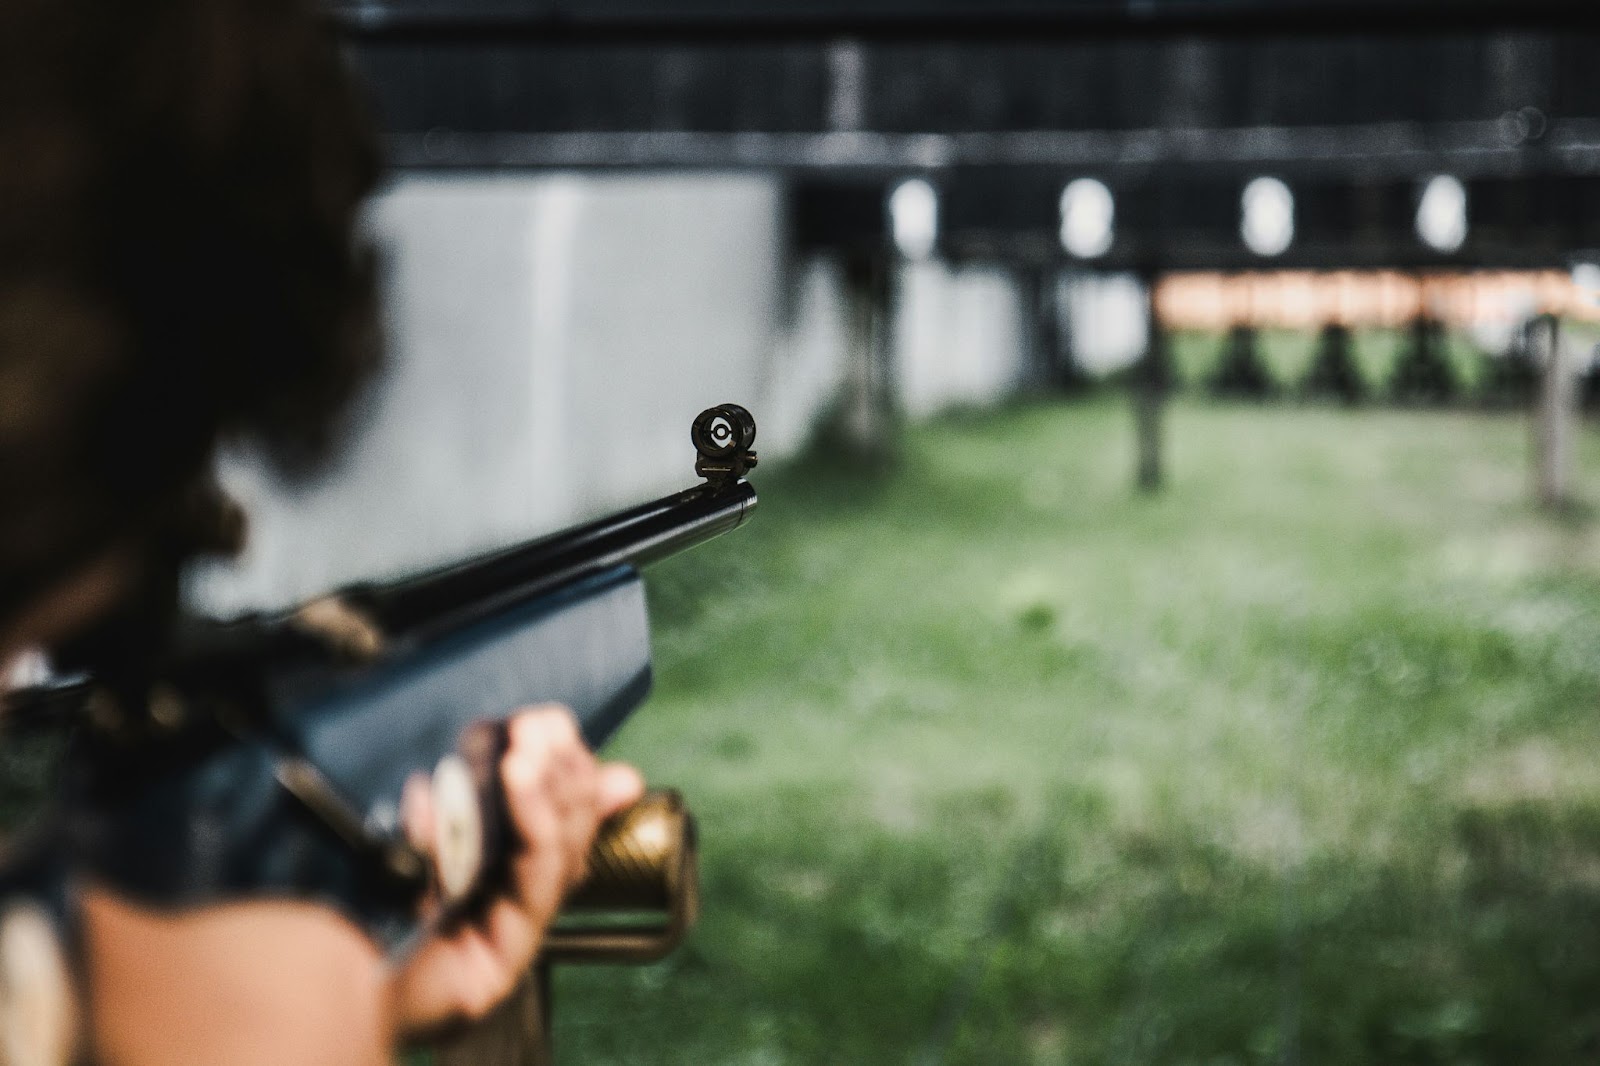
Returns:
(268, 756)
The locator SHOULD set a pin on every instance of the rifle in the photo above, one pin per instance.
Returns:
(267, 755)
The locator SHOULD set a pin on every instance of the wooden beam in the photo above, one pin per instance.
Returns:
(1555, 414)
(1150, 383)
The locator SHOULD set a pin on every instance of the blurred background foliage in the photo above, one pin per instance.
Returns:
(996, 761)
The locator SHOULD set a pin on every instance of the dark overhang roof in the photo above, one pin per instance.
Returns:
(913, 19)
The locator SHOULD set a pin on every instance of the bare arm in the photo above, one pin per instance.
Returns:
(272, 982)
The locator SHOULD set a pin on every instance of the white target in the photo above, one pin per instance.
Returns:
(1266, 217)
(914, 218)
(1088, 219)
(1442, 213)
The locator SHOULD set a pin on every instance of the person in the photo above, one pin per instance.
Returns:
(181, 265)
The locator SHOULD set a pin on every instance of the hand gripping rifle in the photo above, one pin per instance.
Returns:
(267, 756)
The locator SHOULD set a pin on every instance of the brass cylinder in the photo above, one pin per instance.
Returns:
(643, 867)
(641, 857)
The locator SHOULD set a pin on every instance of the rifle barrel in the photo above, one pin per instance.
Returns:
(420, 606)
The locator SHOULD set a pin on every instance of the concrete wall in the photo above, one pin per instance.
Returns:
(550, 340)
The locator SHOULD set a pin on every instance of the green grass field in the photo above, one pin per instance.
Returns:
(997, 762)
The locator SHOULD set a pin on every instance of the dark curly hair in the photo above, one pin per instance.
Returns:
(180, 188)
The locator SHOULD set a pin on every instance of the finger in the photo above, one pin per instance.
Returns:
(420, 827)
(416, 812)
(542, 748)
(620, 787)
(578, 818)
(547, 765)
(542, 772)
(538, 870)
(548, 723)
